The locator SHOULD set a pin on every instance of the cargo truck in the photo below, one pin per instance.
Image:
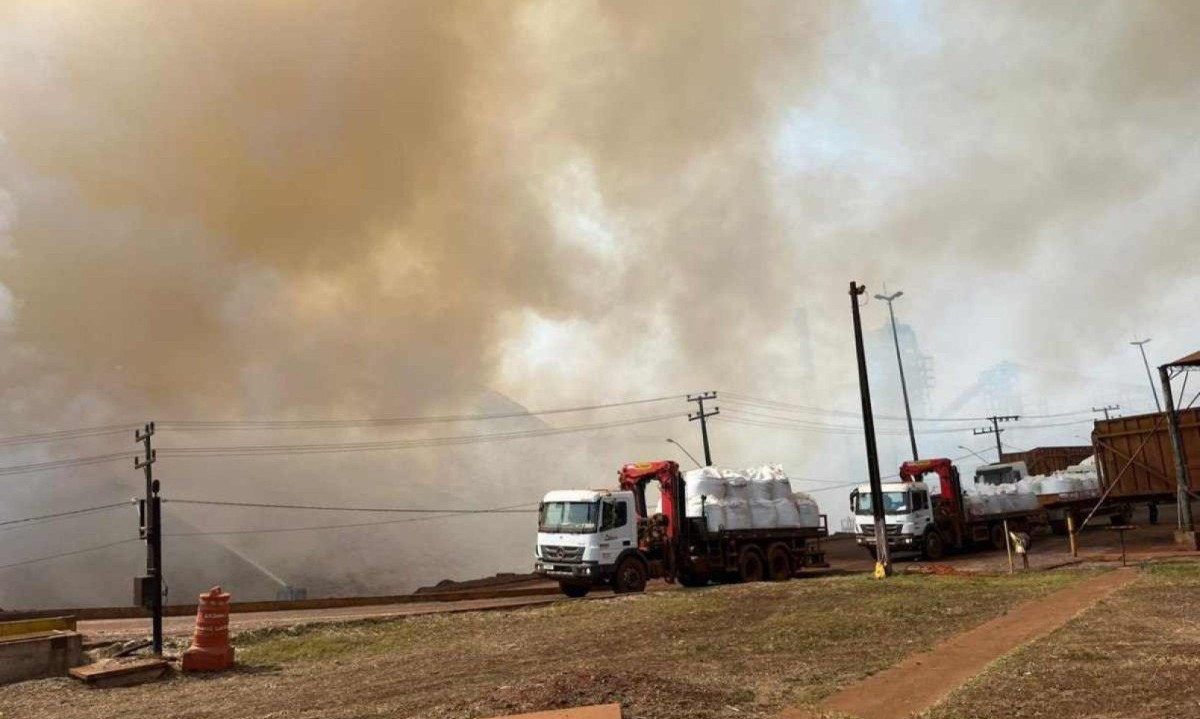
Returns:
(606, 537)
(929, 518)
(1075, 504)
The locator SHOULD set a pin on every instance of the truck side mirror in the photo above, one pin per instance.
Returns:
(853, 499)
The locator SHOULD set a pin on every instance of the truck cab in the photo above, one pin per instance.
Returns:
(1001, 473)
(908, 516)
(583, 535)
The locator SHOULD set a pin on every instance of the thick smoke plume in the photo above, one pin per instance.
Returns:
(225, 210)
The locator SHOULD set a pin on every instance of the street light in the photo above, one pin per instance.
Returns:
(912, 435)
(684, 450)
(1141, 345)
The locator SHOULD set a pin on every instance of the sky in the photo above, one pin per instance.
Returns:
(334, 210)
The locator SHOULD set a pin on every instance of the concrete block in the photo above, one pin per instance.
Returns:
(39, 655)
(1188, 540)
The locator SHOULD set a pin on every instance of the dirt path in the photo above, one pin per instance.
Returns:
(893, 693)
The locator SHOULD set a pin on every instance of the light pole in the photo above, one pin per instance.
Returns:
(682, 449)
(980, 456)
(912, 435)
(1141, 345)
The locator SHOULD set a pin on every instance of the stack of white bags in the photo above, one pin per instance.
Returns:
(758, 498)
(1081, 479)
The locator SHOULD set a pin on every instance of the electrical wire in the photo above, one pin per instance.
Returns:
(65, 434)
(394, 421)
(62, 464)
(67, 554)
(71, 513)
(332, 508)
(774, 404)
(840, 429)
(278, 449)
(281, 530)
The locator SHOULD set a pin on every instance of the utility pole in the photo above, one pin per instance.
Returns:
(912, 435)
(703, 417)
(995, 429)
(151, 531)
(1106, 409)
(883, 564)
(1141, 345)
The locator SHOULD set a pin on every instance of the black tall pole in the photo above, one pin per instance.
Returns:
(153, 533)
(883, 565)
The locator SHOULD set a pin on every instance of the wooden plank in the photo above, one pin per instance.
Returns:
(36, 626)
(120, 673)
(598, 711)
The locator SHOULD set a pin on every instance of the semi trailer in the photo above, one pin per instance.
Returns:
(607, 537)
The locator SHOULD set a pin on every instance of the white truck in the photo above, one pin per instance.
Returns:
(599, 537)
(919, 519)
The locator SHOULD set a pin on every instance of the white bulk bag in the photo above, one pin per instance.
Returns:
(806, 506)
(763, 514)
(787, 514)
(737, 514)
(705, 482)
(760, 484)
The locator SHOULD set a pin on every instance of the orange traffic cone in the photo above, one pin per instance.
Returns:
(210, 650)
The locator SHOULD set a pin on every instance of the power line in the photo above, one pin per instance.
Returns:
(775, 404)
(192, 425)
(68, 554)
(280, 530)
(70, 513)
(333, 508)
(277, 449)
(834, 428)
(62, 463)
(64, 435)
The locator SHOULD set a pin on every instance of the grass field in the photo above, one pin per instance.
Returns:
(1134, 656)
(743, 651)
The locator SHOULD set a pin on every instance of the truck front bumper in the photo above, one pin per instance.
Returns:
(584, 571)
(901, 541)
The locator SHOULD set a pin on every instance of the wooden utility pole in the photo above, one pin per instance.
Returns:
(703, 417)
(995, 429)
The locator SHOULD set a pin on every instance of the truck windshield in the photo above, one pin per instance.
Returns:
(1004, 474)
(893, 503)
(569, 517)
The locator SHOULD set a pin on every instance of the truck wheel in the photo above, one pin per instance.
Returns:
(996, 536)
(935, 548)
(750, 564)
(630, 576)
(574, 590)
(779, 563)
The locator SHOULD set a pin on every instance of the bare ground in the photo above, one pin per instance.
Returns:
(1135, 655)
(744, 651)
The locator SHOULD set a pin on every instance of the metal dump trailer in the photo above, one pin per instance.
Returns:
(1135, 453)
(1047, 460)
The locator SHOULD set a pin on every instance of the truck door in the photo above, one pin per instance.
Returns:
(616, 529)
(922, 512)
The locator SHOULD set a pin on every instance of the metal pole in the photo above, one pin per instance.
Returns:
(1181, 469)
(684, 450)
(1071, 533)
(883, 564)
(912, 435)
(1008, 547)
(1141, 345)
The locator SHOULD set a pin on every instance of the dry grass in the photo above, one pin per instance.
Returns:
(1135, 656)
(740, 651)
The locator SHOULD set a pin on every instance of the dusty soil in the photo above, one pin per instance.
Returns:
(743, 651)
(1135, 655)
(891, 694)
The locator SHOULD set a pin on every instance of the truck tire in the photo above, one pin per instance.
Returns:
(935, 547)
(751, 567)
(630, 576)
(779, 562)
(574, 590)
